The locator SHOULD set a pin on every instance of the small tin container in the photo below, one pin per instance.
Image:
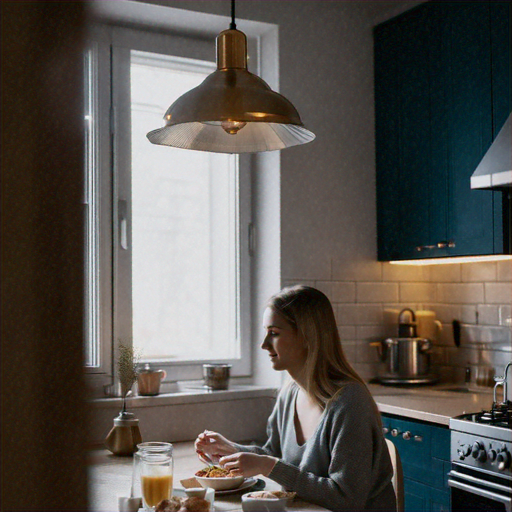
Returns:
(216, 376)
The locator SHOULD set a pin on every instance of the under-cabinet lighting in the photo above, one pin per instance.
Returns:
(453, 259)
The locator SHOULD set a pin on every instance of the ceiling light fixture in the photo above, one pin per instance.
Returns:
(232, 110)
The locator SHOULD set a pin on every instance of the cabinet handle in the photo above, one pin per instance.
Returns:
(440, 245)
(425, 247)
(446, 243)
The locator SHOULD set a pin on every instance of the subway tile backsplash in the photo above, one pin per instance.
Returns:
(479, 295)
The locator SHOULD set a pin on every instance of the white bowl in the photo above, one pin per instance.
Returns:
(250, 504)
(221, 483)
(196, 492)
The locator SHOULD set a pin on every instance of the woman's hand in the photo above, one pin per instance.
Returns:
(248, 464)
(214, 445)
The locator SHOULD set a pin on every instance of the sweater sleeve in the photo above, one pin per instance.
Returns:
(353, 431)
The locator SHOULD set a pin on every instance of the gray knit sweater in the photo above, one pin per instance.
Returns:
(345, 465)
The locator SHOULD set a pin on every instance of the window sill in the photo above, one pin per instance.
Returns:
(239, 412)
(189, 393)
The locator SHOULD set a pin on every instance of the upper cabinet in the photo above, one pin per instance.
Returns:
(442, 91)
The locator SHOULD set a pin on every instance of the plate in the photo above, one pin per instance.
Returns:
(246, 484)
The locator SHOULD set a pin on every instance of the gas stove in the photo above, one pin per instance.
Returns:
(481, 448)
(496, 422)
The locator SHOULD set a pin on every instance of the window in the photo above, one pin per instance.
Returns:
(167, 247)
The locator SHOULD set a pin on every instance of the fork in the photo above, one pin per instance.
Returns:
(205, 458)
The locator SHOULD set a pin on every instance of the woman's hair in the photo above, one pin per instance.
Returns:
(310, 312)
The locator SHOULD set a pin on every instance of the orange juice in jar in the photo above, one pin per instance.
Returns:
(156, 479)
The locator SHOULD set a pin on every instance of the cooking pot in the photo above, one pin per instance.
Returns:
(406, 360)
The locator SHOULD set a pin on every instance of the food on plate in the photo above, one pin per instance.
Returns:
(195, 505)
(189, 482)
(271, 495)
(284, 494)
(176, 504)
(215, 472)
(171, 505)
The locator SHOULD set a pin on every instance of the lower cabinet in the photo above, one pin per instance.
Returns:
(424, 451)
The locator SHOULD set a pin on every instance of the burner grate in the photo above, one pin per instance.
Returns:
(500, 415)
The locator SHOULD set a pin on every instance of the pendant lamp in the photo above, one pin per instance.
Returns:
(232, 110)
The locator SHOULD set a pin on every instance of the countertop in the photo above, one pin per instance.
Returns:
(110, 477)
(436, 404)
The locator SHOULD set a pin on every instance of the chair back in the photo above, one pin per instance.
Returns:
(398, 477)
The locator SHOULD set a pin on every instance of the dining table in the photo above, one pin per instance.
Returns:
(110, 477)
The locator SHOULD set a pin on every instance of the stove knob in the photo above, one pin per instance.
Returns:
(464, 451)
(503, 460)
(482, 456)
(395, 432)
(476, 449)
(491, 454)
(407, 435)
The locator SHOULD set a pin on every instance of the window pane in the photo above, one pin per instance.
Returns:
(91, 208)
(184, 227)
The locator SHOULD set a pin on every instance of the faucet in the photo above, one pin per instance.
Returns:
(502, 381)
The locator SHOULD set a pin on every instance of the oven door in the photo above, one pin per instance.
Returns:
(478, 491)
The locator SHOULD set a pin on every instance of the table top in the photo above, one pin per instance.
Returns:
(110, 476)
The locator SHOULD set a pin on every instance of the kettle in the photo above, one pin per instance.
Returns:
(149, 380)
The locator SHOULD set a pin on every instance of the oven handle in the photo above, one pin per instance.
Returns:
(481, 492)
(478, 481)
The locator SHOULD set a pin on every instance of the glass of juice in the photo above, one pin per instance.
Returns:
(156, 478)
(148, 447)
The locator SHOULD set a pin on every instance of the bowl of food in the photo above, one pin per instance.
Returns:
(268, 501)
(218, 478)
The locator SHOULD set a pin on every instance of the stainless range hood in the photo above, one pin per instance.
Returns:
(495, 169)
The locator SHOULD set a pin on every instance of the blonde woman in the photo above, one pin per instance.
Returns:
(325, 438)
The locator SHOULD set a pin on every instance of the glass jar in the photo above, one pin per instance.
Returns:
(156, 474)
(144, 449)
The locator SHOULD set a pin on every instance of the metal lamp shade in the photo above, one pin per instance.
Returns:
(232, 111)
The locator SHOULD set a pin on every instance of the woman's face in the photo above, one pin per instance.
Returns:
(284, 344)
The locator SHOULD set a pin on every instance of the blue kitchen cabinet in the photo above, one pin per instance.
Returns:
(442, 92)
(387, 73)
(501, 35)
(424, 451)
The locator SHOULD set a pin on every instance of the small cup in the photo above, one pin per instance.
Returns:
(196, 492)
(216, 376)
(128, 504)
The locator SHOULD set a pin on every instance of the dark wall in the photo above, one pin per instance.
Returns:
(42, 409)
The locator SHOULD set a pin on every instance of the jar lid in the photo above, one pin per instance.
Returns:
(126, 419)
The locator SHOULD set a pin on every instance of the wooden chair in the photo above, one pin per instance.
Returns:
(398, 477)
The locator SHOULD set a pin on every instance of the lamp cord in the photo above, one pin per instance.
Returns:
(232, 25)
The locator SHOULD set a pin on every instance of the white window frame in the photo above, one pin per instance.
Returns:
(112, 45)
